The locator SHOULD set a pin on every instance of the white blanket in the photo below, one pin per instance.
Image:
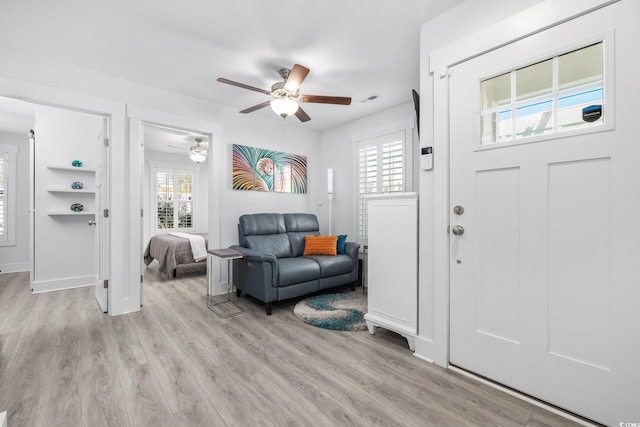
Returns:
(198, 247)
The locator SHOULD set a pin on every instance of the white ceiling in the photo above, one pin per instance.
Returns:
(172, 141)
(353, 47)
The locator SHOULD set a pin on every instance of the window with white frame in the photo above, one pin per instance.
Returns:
(7, 194)
(382, 168)
(559, 94)
(174, 192)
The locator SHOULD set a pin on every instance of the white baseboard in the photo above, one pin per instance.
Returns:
(64, 283)
(14, 268)
(425, 349)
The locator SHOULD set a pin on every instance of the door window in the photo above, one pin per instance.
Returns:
(561, 93)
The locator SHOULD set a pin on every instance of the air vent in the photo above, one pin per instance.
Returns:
(371, 97)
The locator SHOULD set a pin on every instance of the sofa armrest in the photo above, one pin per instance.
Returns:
(255, 256)
(351, 249)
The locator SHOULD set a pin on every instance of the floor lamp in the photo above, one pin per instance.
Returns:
(330, 195)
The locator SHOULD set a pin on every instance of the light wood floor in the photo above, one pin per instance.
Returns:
(65, 363)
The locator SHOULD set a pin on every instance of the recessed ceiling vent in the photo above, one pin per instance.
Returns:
(371, 97)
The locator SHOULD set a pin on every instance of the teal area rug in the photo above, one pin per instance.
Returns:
(340, 312)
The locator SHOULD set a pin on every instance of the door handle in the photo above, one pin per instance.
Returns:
(92, 223)
(458, 230)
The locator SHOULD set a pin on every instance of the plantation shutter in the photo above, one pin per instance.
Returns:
(381, 169)
(174, 199)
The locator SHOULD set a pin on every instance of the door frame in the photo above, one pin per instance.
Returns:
(48, 96)
(139, 117)
(547, 14)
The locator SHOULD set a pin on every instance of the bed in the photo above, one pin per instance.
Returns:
(171, 251)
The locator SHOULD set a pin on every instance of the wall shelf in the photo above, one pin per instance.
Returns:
(71, 168)
(69, 190)
(69, 213)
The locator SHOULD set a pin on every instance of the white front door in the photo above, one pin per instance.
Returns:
(545, 277)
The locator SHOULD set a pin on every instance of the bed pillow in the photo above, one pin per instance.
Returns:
(320, 245)
(342, 241)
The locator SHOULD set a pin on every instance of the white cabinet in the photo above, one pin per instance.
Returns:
(393, 264)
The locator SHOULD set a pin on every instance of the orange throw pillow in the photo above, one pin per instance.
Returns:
(320, 245)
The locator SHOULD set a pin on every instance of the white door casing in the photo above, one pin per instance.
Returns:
(543, 276)
(102, 221)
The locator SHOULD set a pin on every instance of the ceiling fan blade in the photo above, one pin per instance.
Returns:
(319, 99)
(296, 76)
(255, 107)
(242, 85)
(302, 115)
(179, 148)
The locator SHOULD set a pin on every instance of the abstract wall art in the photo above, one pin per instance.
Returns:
(259, 169)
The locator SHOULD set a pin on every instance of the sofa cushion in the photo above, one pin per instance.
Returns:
(301, 222)
(296, 239)
(342, 241)
(259, 225)
(276, 244)
(300, 225)
(333, 265)
(320, 245)
(297, 270)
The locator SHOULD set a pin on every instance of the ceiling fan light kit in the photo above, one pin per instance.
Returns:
(287, 94)
(197, 153)
(284, 107)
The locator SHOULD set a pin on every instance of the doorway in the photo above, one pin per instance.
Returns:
(540, 256)
(175, 195)
(66, 193)
(144, 121)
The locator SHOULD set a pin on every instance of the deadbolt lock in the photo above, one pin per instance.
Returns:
(458, 210)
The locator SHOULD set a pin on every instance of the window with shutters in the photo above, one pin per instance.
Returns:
(382, 168)
(7, 194)
(174, 199)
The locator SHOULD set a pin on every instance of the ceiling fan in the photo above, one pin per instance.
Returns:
(287, 94)
(197, 152)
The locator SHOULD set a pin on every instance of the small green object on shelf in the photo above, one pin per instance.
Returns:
(77, 185)
(76, 163)
(77, 207)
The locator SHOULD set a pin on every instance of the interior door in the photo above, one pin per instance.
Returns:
(101, 220)
(543, 263)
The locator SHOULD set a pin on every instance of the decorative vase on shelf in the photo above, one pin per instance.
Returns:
(77, 185)
(76, 163)
(77, 207)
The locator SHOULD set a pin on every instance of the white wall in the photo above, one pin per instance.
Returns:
(280, 136)
(64, 245)
(339, 152)
(16, 258)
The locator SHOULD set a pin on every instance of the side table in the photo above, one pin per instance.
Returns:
(225, 308)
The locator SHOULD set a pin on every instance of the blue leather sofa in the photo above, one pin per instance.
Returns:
(273, 267)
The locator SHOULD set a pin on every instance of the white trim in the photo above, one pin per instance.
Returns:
(118, 265)
(138, 117)
(41, 286)
(14, 268)
(523, 397)
(536, 19)
(10, 198)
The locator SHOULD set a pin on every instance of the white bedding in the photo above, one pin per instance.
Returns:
(198, 247)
